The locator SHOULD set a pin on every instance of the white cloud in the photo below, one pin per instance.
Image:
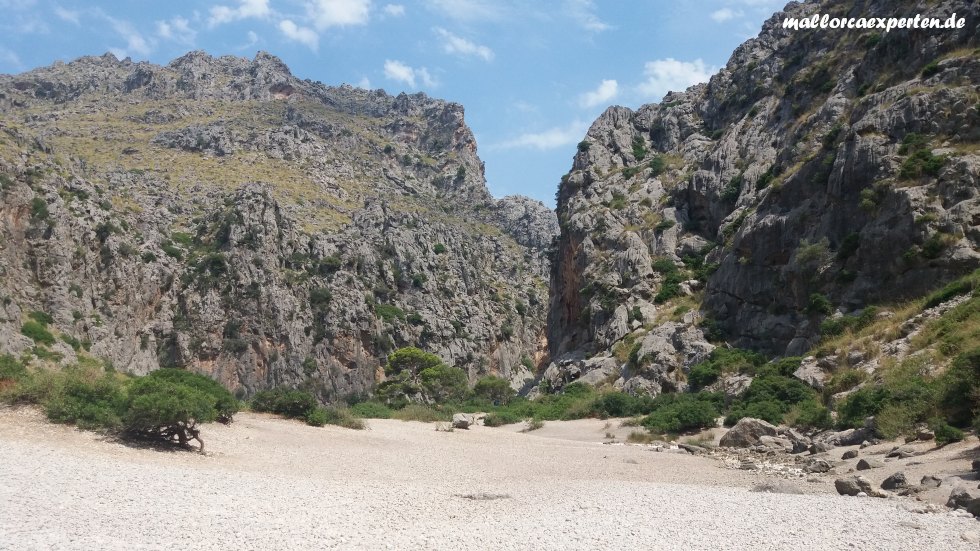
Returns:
(246, 9)
(253, 39)
(135, 42)
(411, 77)
(364, 84)
(607, 90)
(665, 75)
(457, 45)
(177, 29)
(583, 12)
(71, 16)
(10, 58)
(467, 10)
(551, 138)
(303, 35)
(338, 13)
(394, 10)
(724, 14)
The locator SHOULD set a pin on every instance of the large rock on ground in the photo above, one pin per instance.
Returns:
(747, 433)
(462, 420)
(896, 481)
(856, 484)
(965, 498)
(868, 464)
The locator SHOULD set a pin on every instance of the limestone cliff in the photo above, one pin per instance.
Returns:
(819, 171)
(223, 215)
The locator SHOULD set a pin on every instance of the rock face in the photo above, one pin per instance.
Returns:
(812, 174)
(223, 215)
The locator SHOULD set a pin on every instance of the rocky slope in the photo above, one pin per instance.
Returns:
(223, 215)
(819, 172)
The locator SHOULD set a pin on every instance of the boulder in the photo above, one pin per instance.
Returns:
(966, 499)
(849, 454)
(929, 481)
(849, 437)
(462, 420)
(976, 465)
(867, 464)
(896, 481)
(776, 443)
(800, 442)
(747, 433)
(902, 452)
(854, 485)
(818, 466)
(819, 447)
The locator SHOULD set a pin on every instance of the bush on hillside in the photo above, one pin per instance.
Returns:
(495, 390)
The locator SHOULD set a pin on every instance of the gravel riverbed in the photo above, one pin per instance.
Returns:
(268, 483)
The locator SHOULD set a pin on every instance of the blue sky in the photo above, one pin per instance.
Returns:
(531, 75)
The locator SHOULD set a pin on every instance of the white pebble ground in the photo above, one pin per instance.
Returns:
(274, 484)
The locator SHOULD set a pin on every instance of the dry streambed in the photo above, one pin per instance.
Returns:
(275, 484)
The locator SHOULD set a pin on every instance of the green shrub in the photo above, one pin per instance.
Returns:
(956, 288)
(439, 248)
(930, 69)
(861, 404)
(770, 397)
(703, 374)
(495, 390)
(839, 325)
(809, 414)
(639, 148)
(843, 380)
(320, 416)
(771, 411)
(11, 369)
(389, 312)
(501, 418)
(945, 434)
(43, 318)
(683, 413)
(657, 166)
(960, 388)
(418, 412)
(442, 383)
(316, 417)
(320, 298)
(819, 304)
(732, 190)
(295, 404)
(371, 410)
(920, 163)
(39, 209)
(584, 146)
(37, 332)
(88, 400)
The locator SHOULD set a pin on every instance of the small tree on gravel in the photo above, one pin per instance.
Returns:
(168, 404)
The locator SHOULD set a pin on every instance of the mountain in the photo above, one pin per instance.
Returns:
(819, 173)
(223, 215)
